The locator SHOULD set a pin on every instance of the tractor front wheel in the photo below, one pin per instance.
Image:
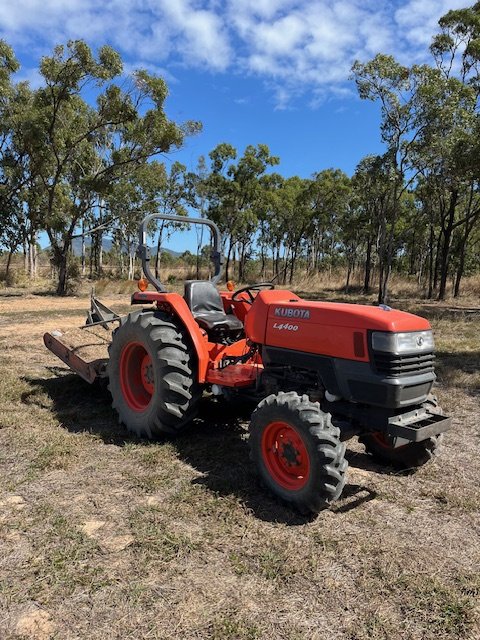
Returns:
(297, 451)
(151, 373)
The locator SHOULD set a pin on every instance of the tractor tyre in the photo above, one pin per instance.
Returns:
(409, 456)
(152, 375)
(297, 451)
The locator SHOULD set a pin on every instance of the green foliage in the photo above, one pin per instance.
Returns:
(76, 154)
(430, 124)
(235, 194)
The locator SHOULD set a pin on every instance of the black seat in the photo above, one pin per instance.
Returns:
(206, 306)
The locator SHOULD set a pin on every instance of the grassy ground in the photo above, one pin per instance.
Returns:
(103, 536)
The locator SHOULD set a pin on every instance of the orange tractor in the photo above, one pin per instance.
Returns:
(319, 373)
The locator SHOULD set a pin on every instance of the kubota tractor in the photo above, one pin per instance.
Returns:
(319, 372)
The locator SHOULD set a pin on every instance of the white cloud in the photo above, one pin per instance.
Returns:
(417, 19)
(308, 44)
(296, 46)
(201, 35)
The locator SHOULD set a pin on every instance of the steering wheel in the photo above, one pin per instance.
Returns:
(249, 291)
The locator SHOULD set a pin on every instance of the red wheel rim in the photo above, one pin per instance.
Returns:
(136, 376)
(382, 441)
(285, 455)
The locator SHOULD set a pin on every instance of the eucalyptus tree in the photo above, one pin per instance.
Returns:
(8, 107)
(198, 193)
(394, 86)
(143, 190)
(455, 137)
(292, 224)
(172, 193)
(328, 194)
(13, 224)
(79, 150)
(217, 195)
(371, 187)
(270, 226)
(235, 194)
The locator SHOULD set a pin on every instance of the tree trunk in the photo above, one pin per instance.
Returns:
(438, 252)
(447, 240)
(32, 259)
(292, 265)
(62, 277)
(381, 254)
(285, 266)
(121, 261)
(131, 264)
(83, 258)
(9, 260)
(227, 263)
(276, 263)
(234, 260)
(430, 262)
(469, 225)
(159, 251)
(61, 262)
(368, 266)
(387, 267)
(411, 269)
(241, 262)
(349, 274)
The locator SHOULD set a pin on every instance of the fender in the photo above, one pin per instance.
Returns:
(175, 304)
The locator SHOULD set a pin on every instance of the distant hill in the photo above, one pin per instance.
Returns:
(107, 246)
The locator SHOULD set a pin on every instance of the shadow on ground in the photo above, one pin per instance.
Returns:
(465, 361)
(216, 444)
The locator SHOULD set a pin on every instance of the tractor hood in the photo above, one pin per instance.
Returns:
(282, 319)
(358, 316)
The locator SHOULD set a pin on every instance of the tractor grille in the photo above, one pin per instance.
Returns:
(393, 365)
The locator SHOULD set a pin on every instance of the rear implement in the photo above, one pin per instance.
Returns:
(85, 349)
(88, 369)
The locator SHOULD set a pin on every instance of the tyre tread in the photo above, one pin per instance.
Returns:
(329, 451)
(178, 391)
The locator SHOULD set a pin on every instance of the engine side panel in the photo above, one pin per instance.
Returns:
(355, 381)
(257, 317)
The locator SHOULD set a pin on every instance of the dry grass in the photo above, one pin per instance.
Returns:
(104, 536)
(329, 281)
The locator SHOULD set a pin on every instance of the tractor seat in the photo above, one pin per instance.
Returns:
(206, 306)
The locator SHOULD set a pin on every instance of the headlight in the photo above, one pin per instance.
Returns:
(411, 342)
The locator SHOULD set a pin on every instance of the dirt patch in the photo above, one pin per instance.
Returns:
(114, 544)
(35, 625)
(30, 303)
(91, 527)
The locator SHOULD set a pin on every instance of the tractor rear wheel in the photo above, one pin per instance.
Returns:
(151, 373)
(297, 451)
(408, 456)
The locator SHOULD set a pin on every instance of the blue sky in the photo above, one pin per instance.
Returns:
(252, 71)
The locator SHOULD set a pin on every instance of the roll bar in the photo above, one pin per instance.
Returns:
(143, 251)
